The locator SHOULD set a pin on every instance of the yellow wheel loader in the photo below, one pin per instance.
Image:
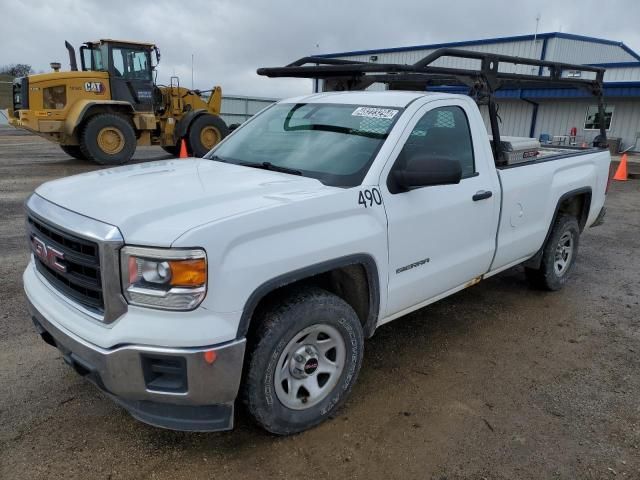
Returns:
(112, 104)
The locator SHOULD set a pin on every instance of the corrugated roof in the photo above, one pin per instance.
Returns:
(488, 41)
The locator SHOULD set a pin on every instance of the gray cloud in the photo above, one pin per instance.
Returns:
(230, 39)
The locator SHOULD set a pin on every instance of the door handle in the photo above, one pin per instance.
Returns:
(482, 195)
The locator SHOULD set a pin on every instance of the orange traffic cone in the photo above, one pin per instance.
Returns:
(183, 150)
(621, 172)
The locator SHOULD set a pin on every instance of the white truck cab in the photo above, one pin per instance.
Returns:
(257, 272)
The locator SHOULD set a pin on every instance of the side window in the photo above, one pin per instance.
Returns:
(441, 133)
(131, 64)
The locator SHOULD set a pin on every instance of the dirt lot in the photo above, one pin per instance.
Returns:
(496, 382)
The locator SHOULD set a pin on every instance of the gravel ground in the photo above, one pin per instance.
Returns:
(496, 382)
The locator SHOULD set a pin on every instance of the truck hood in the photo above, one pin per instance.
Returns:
(154, 203)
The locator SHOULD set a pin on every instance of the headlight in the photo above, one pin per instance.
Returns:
(169, 279)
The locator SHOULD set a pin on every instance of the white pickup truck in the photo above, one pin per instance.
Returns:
(257, 272)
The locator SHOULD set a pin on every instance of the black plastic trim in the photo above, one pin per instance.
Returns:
(600, 219)
(186, 418)
(357, 259)
(534, 262)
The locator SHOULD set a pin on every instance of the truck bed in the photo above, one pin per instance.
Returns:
(532, 192)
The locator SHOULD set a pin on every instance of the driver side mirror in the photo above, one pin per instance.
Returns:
(423, 170)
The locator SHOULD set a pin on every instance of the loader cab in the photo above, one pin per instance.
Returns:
(129, 66)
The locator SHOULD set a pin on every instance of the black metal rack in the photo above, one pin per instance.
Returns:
(341, 75)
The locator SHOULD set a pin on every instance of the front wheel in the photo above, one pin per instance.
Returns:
(73, 151)
(204, 133)
(559, 255)
(108, 139)
(305, 360)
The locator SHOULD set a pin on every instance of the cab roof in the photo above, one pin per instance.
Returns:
(111, 40)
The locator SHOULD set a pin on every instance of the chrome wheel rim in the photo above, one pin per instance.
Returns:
(310, 366)
(563, 254)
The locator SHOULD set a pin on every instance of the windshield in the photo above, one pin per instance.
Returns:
(330, 142)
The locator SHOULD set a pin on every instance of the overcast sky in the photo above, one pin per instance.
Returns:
(231, 38)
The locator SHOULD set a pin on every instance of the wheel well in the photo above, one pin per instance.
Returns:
(353, 283)
(578, 206)
(94, 110)
(576, 203)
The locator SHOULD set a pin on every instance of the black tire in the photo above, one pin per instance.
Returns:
(211, 123)
(279, 325)
(548, 276)
(73, 151)
(120, 127)
(172, 149)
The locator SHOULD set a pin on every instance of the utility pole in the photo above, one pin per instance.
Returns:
(535, 42)
(192, 71)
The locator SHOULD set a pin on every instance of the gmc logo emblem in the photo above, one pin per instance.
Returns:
(50, 256)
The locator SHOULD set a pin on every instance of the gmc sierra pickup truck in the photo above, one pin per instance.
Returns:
(256, 273)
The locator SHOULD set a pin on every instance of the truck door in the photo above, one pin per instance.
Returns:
(441, 237)
(130, 76)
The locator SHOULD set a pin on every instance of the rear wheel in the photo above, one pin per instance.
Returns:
(204, 133)
(73, 151)
(108, 139)
(559, 255)
(305, 360)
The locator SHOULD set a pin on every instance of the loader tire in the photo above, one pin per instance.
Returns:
(73, 151)
(172, 149)
(204, 133)
(108, 139)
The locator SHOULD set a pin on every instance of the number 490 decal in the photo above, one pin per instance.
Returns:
(369, 196)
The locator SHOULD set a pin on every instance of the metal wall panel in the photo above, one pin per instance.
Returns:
(622, 74)
(237, 108)
(582, 52)
(515, 118)
(558, 117)
(528, 49)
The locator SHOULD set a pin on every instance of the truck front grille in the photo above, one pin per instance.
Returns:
(70, 263)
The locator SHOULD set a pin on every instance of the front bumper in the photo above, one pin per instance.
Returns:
(173, 388)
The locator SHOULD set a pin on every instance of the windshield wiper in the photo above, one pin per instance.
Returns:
(216, 158)
(272, 167)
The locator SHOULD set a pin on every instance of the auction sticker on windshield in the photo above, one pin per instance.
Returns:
(373, 112)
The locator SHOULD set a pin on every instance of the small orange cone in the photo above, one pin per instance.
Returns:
(621, 172)
(183, 150)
